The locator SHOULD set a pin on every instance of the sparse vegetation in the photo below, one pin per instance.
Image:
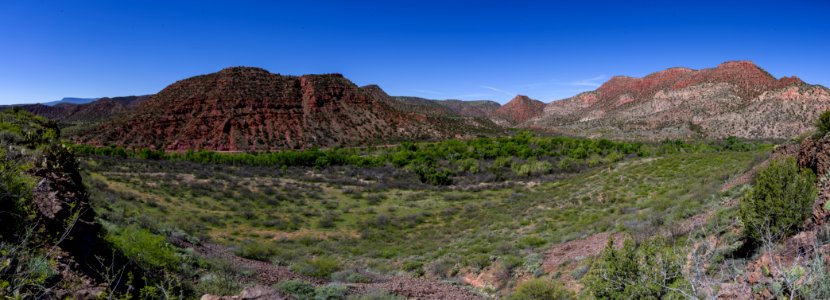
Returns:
(365, 217)
(540, 289)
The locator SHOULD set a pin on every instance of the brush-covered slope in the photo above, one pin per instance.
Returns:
(51, 246)
(734, 99)
(244, 108)
(450, 107)
(96, 111)
(471, 108)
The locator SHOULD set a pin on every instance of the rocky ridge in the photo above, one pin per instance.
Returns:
(734, 99)
(245, 108)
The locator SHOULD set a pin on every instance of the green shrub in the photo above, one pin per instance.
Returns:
(532, 167)
(416, 267)
(145, 248)
(650, 270)
(531, 241)
(817, 285)
(503, 162)
(296, 288)
(434, 176)
(823, 123)
(540, 289)
(319, 267)
(533, 264)
(780, 200)
(469, 165)
(256, 250)
(219, 283)
(331, 291)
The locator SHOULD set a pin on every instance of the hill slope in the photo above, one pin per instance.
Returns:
(245, 108)
(95, 111)
(520, 109)
(733, 99)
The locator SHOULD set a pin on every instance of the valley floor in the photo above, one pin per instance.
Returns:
(342, 223)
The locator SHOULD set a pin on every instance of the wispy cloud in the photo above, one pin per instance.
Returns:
(431, 92)
(595, 81)
(592, 82)
(508, 93)
(474, 96)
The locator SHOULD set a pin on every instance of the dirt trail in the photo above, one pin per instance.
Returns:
(269, 274)
(266, 273)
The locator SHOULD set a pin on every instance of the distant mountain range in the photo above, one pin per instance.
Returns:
(70, 100)
(245, 108)
(99, 110)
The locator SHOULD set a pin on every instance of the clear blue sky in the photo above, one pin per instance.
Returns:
(440, 49)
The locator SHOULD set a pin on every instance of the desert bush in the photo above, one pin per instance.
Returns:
(416, 267)
(434, 176)
(328, 220)
(257, 250)
(350, 277)
(540, 289)
(649, 270)
(331, 291)
(568, 164)
(319, 267)
(296, 288)
(533, 263)
(823, 123)
(823, 235)
(502, 162)
(441, 268)
(780, 200)
(469, 165)
(531, 242)
(532, 167)
(817, 285)
(219, 283)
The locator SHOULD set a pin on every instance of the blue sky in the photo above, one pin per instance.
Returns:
(434, 49)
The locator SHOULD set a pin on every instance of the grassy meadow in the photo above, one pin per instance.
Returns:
(386, 217)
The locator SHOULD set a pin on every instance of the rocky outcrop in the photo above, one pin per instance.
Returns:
(244, 108)
(520, 109)
(815, 155)
(734, 99)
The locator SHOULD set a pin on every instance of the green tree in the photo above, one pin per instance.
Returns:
(780, 200)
